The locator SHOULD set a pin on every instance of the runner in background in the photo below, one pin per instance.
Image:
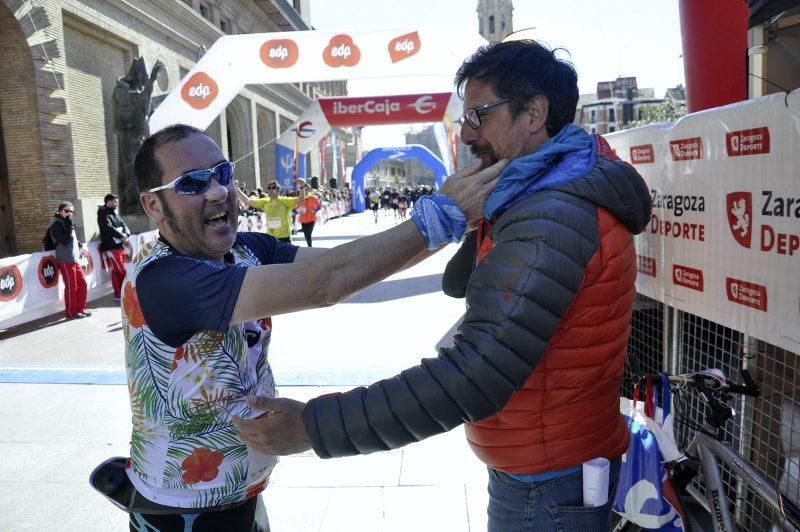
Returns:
(277, 209)
(307, 206)
(374, 202)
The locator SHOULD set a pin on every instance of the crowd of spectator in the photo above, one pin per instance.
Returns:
(396, 200)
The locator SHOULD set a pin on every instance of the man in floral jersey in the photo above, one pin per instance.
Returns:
(196, 345)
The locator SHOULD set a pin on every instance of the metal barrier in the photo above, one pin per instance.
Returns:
(765, 430)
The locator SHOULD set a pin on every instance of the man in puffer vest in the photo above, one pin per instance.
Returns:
(536, 366)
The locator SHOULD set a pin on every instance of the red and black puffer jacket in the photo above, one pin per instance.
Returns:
(536, 366)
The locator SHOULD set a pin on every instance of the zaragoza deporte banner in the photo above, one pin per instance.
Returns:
(724, 238)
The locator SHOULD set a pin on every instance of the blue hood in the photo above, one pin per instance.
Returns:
(563, 158)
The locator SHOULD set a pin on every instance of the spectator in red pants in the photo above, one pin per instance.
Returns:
(113, 236)
(308, 204)
(68, 256)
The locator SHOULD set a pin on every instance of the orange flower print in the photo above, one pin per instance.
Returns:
(131, 308)
(201, 466)
(255, 489)
(180, 354)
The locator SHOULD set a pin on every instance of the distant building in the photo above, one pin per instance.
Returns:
(614, 104)
(387, 173)
(418, 172)
(677, 94)
(495, 19)
(61, 62)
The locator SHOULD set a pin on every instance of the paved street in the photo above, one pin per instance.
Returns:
(64, 408)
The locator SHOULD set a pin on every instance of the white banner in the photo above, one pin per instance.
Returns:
(300, 56)
(724, 238)
(327, 211)
(31, 286)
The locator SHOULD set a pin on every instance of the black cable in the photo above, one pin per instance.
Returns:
(785, 99)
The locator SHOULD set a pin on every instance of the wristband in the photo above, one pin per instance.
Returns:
(439, 220)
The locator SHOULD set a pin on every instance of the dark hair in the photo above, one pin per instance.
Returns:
(520, 70)
(146, 167)
(63, 205)
(275, 183)
(109, 197)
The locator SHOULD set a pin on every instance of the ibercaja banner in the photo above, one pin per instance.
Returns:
(723, 241)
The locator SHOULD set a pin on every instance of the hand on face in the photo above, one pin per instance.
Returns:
(470, 186)
(279, 431)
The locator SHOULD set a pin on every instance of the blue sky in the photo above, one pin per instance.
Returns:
(605, 39)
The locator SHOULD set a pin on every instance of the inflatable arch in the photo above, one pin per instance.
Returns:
(303, 56)
(401, 153)
(326, 113)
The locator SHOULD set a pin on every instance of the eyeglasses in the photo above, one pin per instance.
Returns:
(69, 211)
(472, 116)
(272, 188)
(198, 181)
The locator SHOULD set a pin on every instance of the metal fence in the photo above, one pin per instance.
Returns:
(765, 430)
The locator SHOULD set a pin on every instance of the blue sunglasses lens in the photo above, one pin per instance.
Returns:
(197, 181)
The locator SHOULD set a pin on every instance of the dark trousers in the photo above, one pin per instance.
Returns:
(307, 230)
(250, 516)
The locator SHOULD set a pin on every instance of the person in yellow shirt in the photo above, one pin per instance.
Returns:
(278, 210)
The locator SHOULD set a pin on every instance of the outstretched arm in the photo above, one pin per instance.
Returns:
(517, 297)
(349, 268)
(243, 197)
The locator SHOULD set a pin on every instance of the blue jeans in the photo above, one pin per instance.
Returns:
(550, 505)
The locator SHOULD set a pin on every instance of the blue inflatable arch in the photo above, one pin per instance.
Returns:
(411, 151)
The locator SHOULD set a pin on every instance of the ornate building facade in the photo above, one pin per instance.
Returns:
(61, 62)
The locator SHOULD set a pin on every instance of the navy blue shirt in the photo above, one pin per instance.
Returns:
(180, 294)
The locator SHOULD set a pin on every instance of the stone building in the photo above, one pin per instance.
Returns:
(388, 173)
(614, 104)
(495, 19)
(61, 60)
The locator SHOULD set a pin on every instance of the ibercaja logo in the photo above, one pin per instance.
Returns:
(48, 271)
(279, 53)
(341, 51)
(10, 282)
(199, 90)
(87, 265)
(739, 206)
(404, 46)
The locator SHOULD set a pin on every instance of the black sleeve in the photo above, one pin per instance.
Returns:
(459, 268)
(60, 232)
(180, 295)
(268, 249)
(516, 298)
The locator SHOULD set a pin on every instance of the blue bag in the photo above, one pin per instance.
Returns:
(645, 495)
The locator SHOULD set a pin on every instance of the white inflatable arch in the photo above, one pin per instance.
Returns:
(303, 56)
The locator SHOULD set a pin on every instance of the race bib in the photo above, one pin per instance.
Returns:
(273, 223)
